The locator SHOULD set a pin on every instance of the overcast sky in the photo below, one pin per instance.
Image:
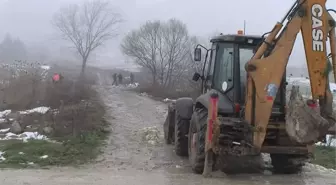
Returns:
(30, 19)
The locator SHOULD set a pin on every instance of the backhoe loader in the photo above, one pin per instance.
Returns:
(242, 109)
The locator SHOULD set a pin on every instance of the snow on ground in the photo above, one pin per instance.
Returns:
(41, 110)
(2, 158)
(4, 130)
(144, 94)
(25, 136)
(133, 85)
(4, 113)
(319, 168)
(167, 100)
(45, 67)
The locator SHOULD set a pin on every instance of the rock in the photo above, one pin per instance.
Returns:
(304, 124)
(14, 115)
(105, 129)
(16, 128)
(47, 130)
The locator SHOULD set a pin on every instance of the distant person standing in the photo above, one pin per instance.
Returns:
(57, 77)
(115, 82)
(132, 78)
(120, 78)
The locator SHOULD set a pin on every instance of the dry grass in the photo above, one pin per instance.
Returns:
(79, 124)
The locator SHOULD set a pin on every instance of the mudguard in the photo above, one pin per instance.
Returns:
(169, 124)
(224, 103)
(184, 107)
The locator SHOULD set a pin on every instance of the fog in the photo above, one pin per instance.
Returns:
(30, 21)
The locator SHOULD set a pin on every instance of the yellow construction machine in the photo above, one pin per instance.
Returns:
(243, 109)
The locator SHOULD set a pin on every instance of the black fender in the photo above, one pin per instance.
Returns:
(181, 109)
(169, 124)
(224, 103)
(184, 107)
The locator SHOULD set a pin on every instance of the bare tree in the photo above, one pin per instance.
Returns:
(87, 26)
(178, 44)
(141, 45)
(161, 47)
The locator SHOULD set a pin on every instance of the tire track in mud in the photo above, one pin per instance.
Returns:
(130, 114)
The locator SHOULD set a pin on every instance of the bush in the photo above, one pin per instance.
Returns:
(325, 156)
(78, 123)
(28, 90)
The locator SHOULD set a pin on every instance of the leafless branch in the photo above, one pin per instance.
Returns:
(87, 26)
(161, 47)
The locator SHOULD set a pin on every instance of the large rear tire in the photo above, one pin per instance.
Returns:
(287, 164)
(196, 140)
(181, 139)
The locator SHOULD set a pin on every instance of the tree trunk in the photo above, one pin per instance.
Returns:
(83, 67)
(153, 80)
(82, 74)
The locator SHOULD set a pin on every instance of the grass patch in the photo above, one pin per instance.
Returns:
(325, 156)
(73, 151)
(78, 127)
(79, 131)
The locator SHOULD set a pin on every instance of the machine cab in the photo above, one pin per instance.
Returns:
(224, 66)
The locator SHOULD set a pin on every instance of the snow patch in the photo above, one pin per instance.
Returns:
(319, 168)
(134, 85)
(44, 157)
(5, 113)
(144, 94)
(45, 67)
(4, 130)
(2, 158)
(168, 100)
(41, 110)
(25, 136)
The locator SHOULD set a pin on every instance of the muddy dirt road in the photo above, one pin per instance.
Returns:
(130, 159)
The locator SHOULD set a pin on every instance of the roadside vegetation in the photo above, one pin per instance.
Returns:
(325, 156)
(44, 123)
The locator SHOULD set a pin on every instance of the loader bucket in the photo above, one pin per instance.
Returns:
(304, 123)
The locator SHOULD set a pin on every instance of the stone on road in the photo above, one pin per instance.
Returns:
(135, 154)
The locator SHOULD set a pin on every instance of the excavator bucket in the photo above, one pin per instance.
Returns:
(304, 123)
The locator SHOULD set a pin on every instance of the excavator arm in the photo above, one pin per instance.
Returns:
(267, 66)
